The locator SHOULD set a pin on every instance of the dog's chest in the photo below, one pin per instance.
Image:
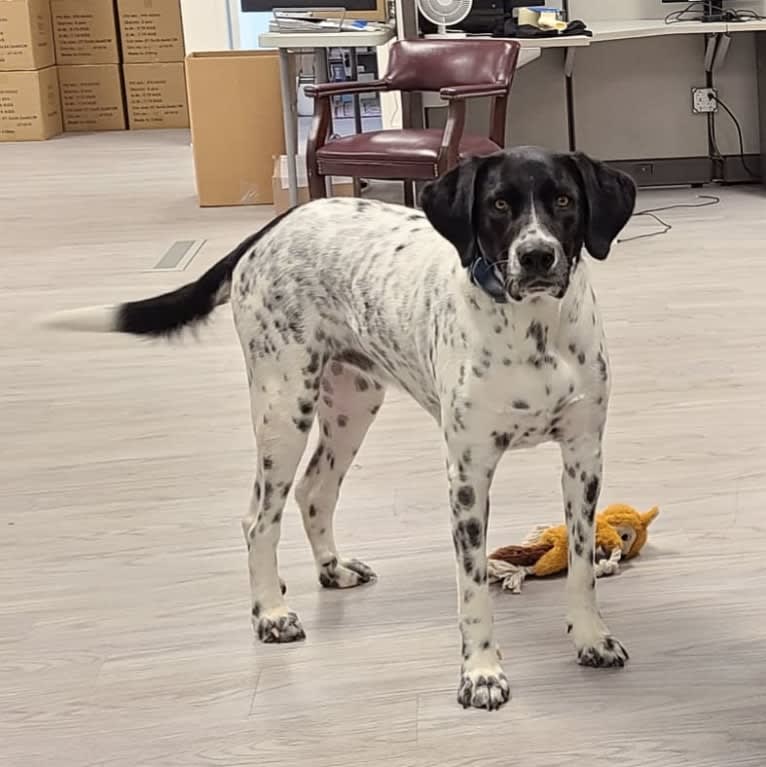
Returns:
(545, 404)
(542, 376)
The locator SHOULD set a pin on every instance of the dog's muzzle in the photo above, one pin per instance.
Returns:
(537, 269)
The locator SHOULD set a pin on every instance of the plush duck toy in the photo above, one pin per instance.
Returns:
(621, 533)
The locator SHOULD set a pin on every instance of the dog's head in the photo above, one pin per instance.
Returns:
(526, 214)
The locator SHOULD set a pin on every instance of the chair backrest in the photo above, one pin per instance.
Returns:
(430, 65)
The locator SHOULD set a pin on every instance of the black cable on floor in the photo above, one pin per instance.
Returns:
(710, 199)
(742, 157)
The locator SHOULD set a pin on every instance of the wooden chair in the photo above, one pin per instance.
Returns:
(458, 70)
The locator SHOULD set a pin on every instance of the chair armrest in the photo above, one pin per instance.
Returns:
(340, 89)
(462, 92)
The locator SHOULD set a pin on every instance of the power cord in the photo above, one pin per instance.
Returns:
(698, 7)
(742, 157)
(710, 199)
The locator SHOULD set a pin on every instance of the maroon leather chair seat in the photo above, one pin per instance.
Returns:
(411, 154)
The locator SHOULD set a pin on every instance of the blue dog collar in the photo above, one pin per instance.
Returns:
(484, 275)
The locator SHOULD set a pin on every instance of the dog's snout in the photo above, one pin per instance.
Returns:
(537, 260)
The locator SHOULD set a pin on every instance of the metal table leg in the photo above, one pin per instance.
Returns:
(357, 104)
(290, 121)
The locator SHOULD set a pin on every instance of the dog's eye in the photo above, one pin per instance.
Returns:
(562, 201)
(502, 205)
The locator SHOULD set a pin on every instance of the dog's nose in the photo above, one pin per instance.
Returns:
(537, 260)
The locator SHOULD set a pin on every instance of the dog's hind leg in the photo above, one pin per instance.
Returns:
(283, 392)
(348, 404)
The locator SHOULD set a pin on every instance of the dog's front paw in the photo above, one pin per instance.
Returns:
(483, 688)
(279, 628)
(606, 652)
(345, 573)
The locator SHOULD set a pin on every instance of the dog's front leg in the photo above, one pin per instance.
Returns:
(482, 681)
(581, 482)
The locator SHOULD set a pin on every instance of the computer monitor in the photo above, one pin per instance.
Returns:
(703, 10)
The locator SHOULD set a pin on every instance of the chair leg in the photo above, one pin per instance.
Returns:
(317, 186)
(409, 197)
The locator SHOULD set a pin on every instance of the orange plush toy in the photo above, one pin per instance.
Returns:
(621, 533)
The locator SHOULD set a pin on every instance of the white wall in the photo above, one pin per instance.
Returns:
(206, 25)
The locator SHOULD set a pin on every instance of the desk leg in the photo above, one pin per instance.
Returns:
(569, 60)
(760, 45)
(290, 122)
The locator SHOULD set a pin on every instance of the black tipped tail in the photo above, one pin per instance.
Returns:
(168, 313)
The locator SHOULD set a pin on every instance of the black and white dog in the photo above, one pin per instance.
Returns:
(479, 307)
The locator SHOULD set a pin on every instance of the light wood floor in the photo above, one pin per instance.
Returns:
(125, 466)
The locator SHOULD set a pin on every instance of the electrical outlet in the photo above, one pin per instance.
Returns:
(703, 100)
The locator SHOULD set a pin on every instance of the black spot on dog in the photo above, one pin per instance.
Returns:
(342, 421)
(578, 548)
(256, 610)
(326, 429)
(473, 529)
(361, 384)
(602, 366)
(538, 333)
(355, 358)
(374, 409)
(581, 358)
(306, 407)
(315, 459)
(520, 404)
(313, 366)
(485, 645)
(591, 490)
(399, 248)
(502, 439)
(268, 462)
(303, 424)
(466, 496)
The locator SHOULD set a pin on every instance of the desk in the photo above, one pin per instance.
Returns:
(290, 43)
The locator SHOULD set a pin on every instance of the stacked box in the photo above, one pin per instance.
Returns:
(153, 63)
(88, 56)
(29, 93)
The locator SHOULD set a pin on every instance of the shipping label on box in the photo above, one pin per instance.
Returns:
(156, 96)
(91, 97)
(26, 37)
(151, 31)
(85, 32)
(29, 105)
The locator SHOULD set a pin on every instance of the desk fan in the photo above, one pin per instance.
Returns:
(442, 13)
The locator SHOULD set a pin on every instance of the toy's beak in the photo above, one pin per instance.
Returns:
(649, 516)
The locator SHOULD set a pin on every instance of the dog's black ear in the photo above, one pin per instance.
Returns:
(611, 196)
(449, 203)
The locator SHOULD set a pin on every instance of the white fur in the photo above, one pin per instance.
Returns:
(91, 319)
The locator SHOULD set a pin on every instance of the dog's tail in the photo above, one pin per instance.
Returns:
(168, 313)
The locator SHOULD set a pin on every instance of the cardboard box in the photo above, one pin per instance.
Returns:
(156, 95)
(91, 97)
(341, 186)
(26, 37)
(150, 30)
(85, 32)
(235, 111)
(29, 105)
